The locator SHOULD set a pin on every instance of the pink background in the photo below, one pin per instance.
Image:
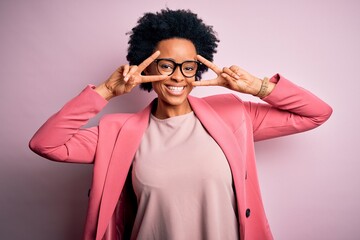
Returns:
(50, 50)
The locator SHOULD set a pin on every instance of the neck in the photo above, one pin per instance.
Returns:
(163, 110)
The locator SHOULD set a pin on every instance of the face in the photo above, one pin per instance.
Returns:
(173, 91)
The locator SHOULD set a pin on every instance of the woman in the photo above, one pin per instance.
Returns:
(184, 167)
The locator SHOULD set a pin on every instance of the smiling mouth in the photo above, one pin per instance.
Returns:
(175, 89)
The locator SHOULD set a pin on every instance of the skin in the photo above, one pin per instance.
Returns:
(173, 102)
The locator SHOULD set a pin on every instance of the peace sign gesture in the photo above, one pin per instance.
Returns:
(233, 78)
(126, 77)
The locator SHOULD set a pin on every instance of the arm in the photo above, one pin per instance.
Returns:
(61, 139)
(291, 109)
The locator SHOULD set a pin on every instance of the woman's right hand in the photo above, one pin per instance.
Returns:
(126, 77)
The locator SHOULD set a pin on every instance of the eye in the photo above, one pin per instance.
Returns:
(165, 65)
(190, 66)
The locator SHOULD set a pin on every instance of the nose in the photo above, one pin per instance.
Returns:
(177, 75)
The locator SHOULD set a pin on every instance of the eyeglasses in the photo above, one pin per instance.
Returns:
(167, 67)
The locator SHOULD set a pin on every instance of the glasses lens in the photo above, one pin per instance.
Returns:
(189, 68)
(165, 67)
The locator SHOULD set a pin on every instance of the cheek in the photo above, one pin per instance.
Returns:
(190, 80)
(156, 86)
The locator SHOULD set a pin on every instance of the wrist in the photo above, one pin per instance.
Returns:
(266, 87)
(104, 91)
(255, 86)
(263, 88)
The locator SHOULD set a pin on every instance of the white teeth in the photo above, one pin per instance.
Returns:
(175, 89)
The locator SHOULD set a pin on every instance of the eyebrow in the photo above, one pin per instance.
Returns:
(178, 62)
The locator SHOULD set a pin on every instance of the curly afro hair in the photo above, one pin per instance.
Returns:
(166, 24)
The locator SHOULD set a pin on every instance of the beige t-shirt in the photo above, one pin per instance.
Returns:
(183, 183)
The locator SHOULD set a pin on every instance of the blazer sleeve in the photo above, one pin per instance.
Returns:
(290, 109)
(61, 138)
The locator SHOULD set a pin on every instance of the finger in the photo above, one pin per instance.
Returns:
(125, 69)
(231, 73)
(212, 82)
(230, 80)
(131, 71)
(237, 70)
(129, 85)
(209, 64)
(153, 78)
(148, 61)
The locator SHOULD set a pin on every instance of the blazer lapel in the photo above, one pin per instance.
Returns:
(227, 141)
(217, 128)
(126, 145)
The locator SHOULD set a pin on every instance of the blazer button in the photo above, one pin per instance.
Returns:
(247, 213)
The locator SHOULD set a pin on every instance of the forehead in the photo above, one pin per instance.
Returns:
(177, 48)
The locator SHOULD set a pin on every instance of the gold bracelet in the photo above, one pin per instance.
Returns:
(263, 89)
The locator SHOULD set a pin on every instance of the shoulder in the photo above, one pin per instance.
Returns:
(223, 103)
(120, 119)
(115, 119)
(229, 107)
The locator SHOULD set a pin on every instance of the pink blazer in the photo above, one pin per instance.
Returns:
(234, 125)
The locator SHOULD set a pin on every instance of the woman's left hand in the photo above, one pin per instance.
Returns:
(233, 78)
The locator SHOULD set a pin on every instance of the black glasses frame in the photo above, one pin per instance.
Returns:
(177, 65)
